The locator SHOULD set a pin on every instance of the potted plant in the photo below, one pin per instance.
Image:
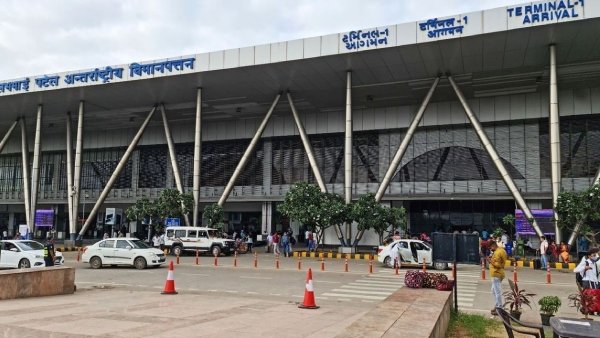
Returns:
(582, 301)
(515, 299)
(548, 307)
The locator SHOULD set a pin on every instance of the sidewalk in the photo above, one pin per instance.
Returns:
(125, 313)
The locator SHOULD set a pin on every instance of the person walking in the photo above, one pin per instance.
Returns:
(276, 239)
(307, 235)
(285, 244)
(161, 241)
(249, 242)
(564, 252)
(582, 247)
(269, 242)
(588, 270)
(497, 263)
(552, 252)
(49, 252)
(156, 241)
(544, 253)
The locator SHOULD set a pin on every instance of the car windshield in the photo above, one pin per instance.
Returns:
(29, 245)
(427, 245)
(137, 244)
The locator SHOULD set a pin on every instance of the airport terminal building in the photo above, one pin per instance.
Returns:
(460, 119)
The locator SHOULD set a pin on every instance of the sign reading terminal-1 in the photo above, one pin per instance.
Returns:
(558, 10)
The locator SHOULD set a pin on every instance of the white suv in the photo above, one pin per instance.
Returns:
(180, 239)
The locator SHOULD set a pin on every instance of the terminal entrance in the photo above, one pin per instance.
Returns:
(457, 215)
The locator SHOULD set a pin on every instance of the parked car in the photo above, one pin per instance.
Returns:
(25, 254)
(411, 252)
(122, 251)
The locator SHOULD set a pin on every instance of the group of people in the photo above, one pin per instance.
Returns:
(281, 242)
(551, 253)
(588, 269)
(158, 240)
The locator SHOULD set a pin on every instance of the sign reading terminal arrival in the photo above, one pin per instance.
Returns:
(547, 11)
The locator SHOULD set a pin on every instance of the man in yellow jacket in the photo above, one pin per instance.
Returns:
(497, 262)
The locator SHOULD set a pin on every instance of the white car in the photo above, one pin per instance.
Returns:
(122, 251)
(25, 254)
(411, 252)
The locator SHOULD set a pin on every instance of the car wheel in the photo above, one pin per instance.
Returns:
(440, 266)
(24, 263)
(95, 262)
(140, 263)
(387, 261)
(215, 250)
(177, 250)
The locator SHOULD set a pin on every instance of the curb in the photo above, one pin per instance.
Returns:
(529, 264)
(67, 249)
(332, 255)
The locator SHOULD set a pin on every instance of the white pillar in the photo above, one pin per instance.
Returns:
(173, 157)
(555, 163)
(348, 151)
(35, 170)
(25, 158)
(76, 188)
(71, 228)
(197, 158)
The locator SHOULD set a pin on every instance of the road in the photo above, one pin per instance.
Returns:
(356, 288)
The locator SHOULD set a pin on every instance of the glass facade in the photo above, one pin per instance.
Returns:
(451, 215)
(579, 151)
(446, 159)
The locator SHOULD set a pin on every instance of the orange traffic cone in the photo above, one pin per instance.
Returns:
(309, 293)
(170, 284)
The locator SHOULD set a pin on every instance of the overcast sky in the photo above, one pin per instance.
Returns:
(41, 36)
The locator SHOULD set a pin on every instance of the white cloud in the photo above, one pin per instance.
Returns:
(39, 36)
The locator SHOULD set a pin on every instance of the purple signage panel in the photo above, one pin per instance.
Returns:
(544, 218)
(44, 218)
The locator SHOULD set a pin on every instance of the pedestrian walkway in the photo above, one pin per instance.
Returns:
(378, 286)
(369, 288)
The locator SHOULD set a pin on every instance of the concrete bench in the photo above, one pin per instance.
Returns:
(418, 313)
(36, 282)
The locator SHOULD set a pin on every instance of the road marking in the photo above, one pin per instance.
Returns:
(274, 294)
(366, 292)
(253, 277)
(327, 282)
(252, 293)
(231, 291)
(354, 296)
(369, 287)
(193, 274)
(376, 282)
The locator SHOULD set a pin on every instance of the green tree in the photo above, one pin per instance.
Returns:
(370, 214)
(509, 222)
(213, 214)
(307, 204)
(143, 210)
(170, 203)
(577, 210)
